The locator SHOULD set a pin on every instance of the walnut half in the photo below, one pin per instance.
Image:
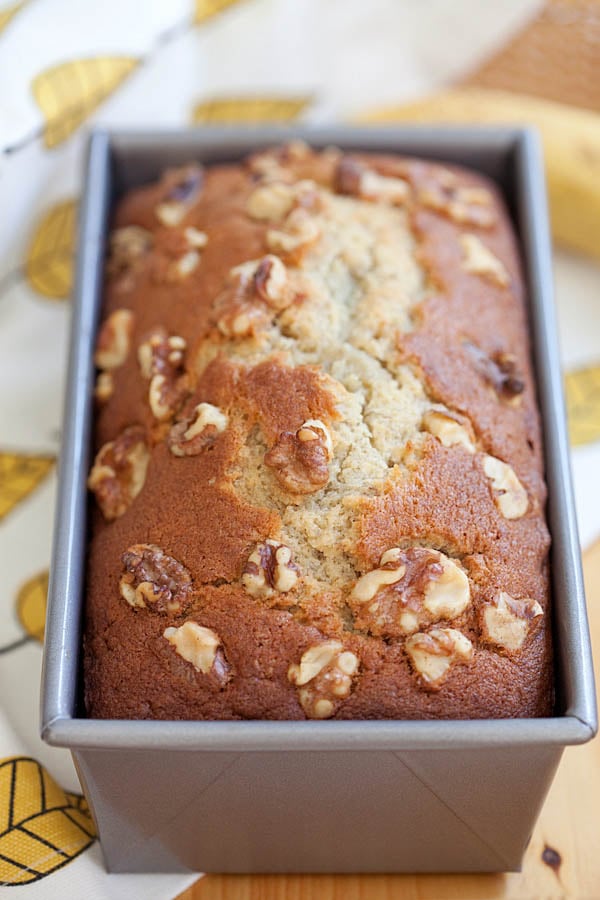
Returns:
(324, 676)
(182, 188)
(202, 647)
(507, 620)
(448, 430)
(190, 436)
(479, 260)
(435, 652)
(300, 460)
(112, 346)
(410, 589)
(119, 472)
(256, 291)
(354, 178)
(270, 569)
(155, 581)
(509, 494)
(161, 359)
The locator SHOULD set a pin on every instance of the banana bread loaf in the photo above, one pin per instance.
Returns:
(318, 487)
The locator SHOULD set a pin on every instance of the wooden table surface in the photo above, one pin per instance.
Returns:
(563, 858)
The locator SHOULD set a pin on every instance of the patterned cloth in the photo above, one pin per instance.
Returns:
(64, 63)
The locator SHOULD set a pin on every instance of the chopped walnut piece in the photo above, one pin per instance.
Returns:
(160, 353)
(182, 188)
(270, 569)
(164, 396)
(253, 288)
(271, 283)
(300, 461)
(161, 359)
(112, 345)
(410, 589)
(509, 494)
(126, 246)
(242, 321)
(463, 204)
(500, 370)
(506, 621)
(479, 260)
(105, 387)
(191, 435)
(324, 676)
(354, 178)
(271, 201)
(195, 239)
(119, 472)
(447, 430)
(297, 233)
(181, 268)
(270, 165)
(155, 581)
(435, 652)
(295, 150)
(201, 647)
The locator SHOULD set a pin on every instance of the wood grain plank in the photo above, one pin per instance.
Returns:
(569, 825)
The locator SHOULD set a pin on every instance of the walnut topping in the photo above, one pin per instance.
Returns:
(161, 359)
(462, 204)
(119, 472)
(126, 246)
(184, 266)
(270, 165)
(164, 396)
(190, 436)
(182, 187)
(161, 354)
(479, 260)
(114, 338)
(254, 288)
(195, 239)
(411, 588)
(270, 569)
(500, 370)
(433, 653)
(324, 676)
(155, 581)
(509, 494)
(201, 647)
(273, 200)
(447, 430)
(300, 461)
(506, 621)
(105, 387)
(271, 283)
(297, 234)
(354, 178)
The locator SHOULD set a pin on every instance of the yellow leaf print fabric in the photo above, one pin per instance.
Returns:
(42, 827)
(69, 92)
(219, 110)
(49, 265)
(31, 605)
(205, 9)
(20, 474)
(7, 13)
(583, 404)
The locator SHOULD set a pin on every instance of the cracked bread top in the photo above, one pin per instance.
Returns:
(318, 485)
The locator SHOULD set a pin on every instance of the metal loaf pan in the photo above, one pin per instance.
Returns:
(364, 796)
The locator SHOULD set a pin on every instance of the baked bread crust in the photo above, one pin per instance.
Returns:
(318, 483)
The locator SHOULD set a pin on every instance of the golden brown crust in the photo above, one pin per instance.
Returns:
(399, 300)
